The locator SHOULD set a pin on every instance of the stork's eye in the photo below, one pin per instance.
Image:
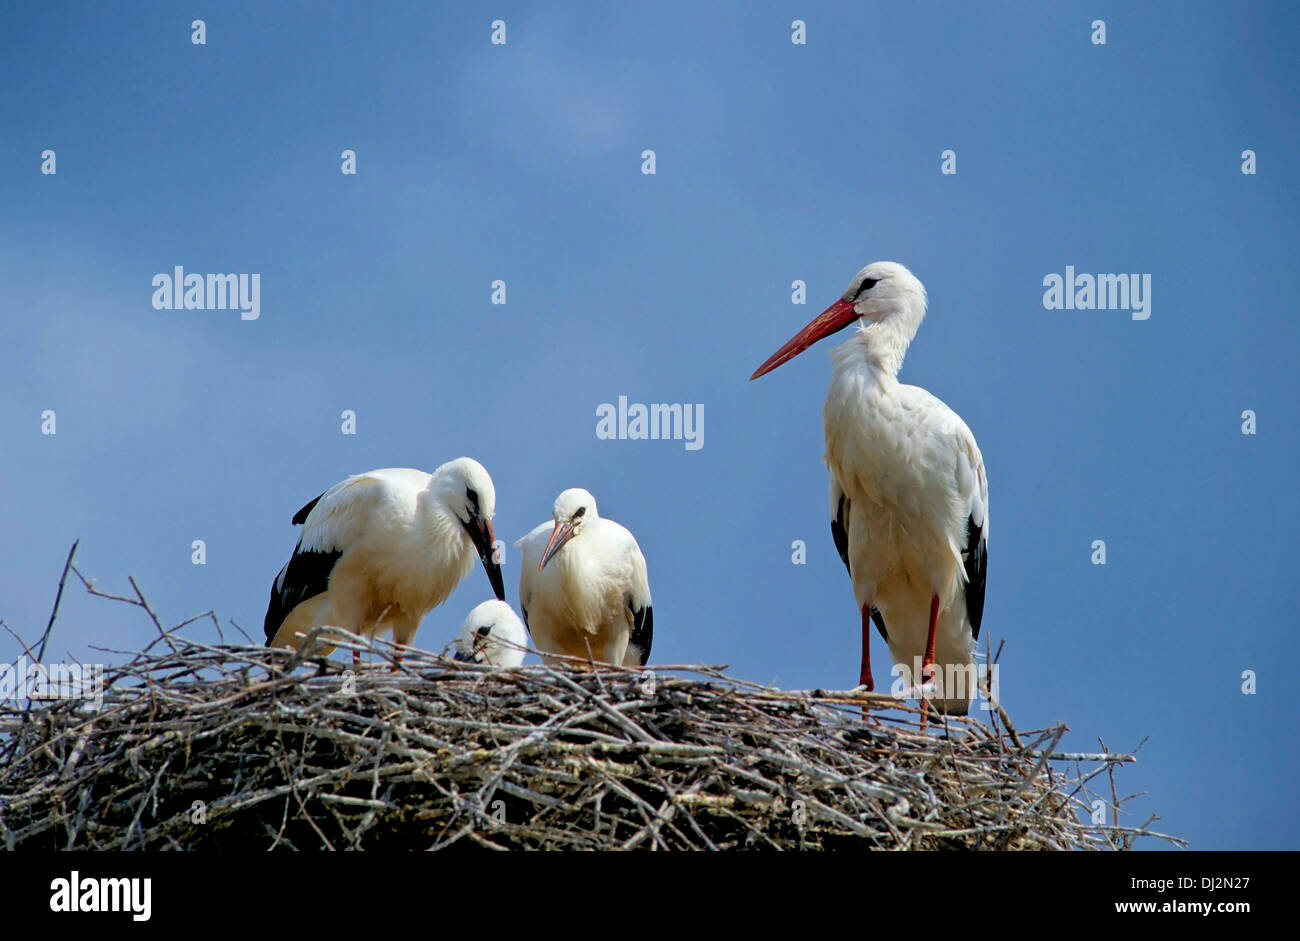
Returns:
(581, 510)
(867, 285)
(483, 631)
(472, 496)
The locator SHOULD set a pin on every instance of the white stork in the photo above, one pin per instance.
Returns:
(909, 498)
(583, 587)
(492, 634)
(380, 550)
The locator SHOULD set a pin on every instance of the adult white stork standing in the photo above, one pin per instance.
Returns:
(909, 498)
(492, 634)
(583, 587)
(380, 550)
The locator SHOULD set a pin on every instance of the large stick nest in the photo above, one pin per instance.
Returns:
(201, 746)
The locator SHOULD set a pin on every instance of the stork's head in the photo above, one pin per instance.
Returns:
(884, 292)
(466, 490)
(573, 510)
(492, 634)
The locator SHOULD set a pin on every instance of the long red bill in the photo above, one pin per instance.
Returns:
(836, 317)
(561, 534)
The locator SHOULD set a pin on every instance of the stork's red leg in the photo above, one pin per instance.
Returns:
(927, 665)
(356, 660)
(864, 671)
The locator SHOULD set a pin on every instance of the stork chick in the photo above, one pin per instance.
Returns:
(583, 588)
(492, 634)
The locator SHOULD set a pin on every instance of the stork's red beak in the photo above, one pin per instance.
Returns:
(561, 534)
(834, 318)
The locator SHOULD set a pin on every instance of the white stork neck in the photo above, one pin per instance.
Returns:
(878, 347)
(444, 535)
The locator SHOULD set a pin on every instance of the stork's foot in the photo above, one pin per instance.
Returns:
(924, 693)
(863, 689)
(930, 712)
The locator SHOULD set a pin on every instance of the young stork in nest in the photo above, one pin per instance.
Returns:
(492, 634)
(583, 588)
(380, 550)
(909, 498)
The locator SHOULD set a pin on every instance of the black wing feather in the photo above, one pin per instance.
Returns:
(977, 566)
(840, 533)
(305, 576)
(301, 516)
(879, 620)
(643, 629)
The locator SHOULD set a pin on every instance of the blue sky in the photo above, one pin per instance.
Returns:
(775, 162)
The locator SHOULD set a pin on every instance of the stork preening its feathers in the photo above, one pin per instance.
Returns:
(380, 550)
(492, 634)
(908, 494)
(583, 587)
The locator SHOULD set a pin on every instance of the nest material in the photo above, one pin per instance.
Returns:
(240, 747)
